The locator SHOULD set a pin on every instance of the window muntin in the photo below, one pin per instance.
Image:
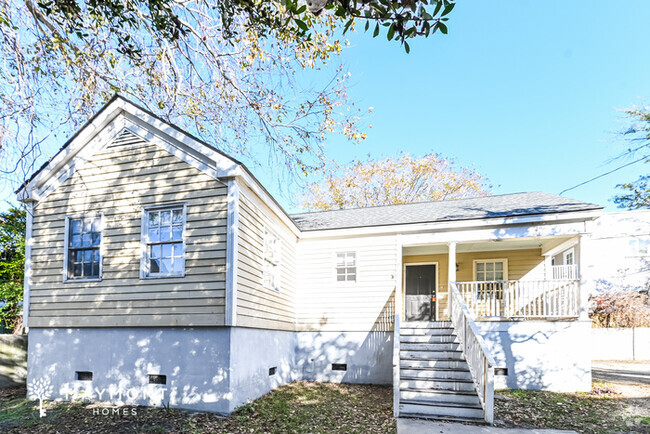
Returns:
(84, 248)
(271, 254)
(346, 267)
(490, 270)
(164, 245)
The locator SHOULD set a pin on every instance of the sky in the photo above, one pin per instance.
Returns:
(528, 93)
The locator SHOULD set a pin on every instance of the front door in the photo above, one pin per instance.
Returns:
(420, 297)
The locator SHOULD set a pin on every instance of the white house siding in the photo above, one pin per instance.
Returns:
(258, 306)
(614, 261)
(365, 305)
(119, 182)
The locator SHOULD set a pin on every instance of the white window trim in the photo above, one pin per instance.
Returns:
(277, 265)
(356, 268)
(571, 251)
(66, 245)
(144, 239)
(505, 267)
(634, 245)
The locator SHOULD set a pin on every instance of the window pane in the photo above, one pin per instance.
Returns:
(480, 276)
(75, 226)
(87, 225)
(88, 269)
(154, 266)
(498, 275)
(166, 250)
(154, 235)
(351, 270)
(96, 223)
(166, 266)
(340, 260)
(156, 251)
(78, 255)
(76, 241)
(489, 266)
(177, 216)
(165, 233)
(88, 255)
(153, 218)
(351, 259)
(340, 277)
(177, 232)
(178, 249)
(352, 277)
(97, 238)
(96, 255)
(86, 240)
(76, 270)
(96, 269)
(178, 265)
(165, 217)
(489, 275)
(480, 266)
(498, 266)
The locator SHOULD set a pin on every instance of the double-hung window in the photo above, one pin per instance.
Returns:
(271, 272)
(346, 267)
(163, 242)
(83, 248)
(493, 272)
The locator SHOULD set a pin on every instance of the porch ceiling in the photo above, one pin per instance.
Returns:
(485, 246)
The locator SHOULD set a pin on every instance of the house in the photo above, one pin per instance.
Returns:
(160, 272)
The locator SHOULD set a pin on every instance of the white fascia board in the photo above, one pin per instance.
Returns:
(579, 216)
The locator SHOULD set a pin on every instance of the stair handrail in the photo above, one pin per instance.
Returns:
(479, 359)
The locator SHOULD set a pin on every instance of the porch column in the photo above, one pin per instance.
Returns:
(584, 269)
(451, 276)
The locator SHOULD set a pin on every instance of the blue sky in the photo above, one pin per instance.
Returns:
(526, 92)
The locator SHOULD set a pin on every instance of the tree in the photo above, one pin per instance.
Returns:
(637, 193)
(394, 180)
(12, 266)
(224, 70)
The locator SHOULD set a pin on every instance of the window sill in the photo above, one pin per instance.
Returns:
(94, 279)
(162, 276)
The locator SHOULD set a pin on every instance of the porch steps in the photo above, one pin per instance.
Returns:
(435, 381)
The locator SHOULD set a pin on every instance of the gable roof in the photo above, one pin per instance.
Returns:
(507, 205)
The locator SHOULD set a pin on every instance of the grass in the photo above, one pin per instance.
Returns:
(596, 412)
(295, 408)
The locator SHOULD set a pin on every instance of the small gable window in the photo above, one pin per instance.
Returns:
(163, 242)
(83, 248)
(346, 267)
(271, 274)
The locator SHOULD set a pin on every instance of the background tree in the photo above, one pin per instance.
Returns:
(12, 266)
(394, 180)
(637, 193)
(224, 70)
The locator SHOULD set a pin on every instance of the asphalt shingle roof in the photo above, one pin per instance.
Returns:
(517, 204)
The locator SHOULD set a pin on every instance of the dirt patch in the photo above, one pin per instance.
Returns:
(296, 408)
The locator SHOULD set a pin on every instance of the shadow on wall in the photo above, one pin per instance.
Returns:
(349, 357)
(540, 356)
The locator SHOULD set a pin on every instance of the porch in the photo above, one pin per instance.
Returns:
(516, 279)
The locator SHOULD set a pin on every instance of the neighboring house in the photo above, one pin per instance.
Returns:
(160, 271)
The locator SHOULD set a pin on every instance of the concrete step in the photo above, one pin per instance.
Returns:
(440, 411)
(438, 395)
(425, 325)
(414, 383)
(449, 346)
(427, 339)
(433, 364)
(444, 374)
(431, 355)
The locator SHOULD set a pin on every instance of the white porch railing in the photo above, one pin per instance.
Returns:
(480, 361)
(564, 272)
(522, 298)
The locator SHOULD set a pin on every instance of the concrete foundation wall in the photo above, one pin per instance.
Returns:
(13, 360)
(620, 343)
(195, 361)
(368, 356)
(541, 355)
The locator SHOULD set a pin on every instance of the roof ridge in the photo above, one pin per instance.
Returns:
(418, 203)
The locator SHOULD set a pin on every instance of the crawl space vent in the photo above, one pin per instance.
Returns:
(339, 367)
(157, 379)
(84, 376)
(273, 370)
(500, 371)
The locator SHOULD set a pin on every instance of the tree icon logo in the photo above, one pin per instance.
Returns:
(41, 390)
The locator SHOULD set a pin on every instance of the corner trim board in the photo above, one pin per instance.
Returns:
(29, 241)
(232, 250)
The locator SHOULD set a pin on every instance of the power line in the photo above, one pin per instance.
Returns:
(604, 174)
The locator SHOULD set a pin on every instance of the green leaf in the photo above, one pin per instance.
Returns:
(443, 27)
(367, 25)
(407, 47)
(303, 26)
(391, 32)
(448, 9)
(376, 32)
(438, 7)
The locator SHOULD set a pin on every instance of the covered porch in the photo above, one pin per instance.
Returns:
(503, 279)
